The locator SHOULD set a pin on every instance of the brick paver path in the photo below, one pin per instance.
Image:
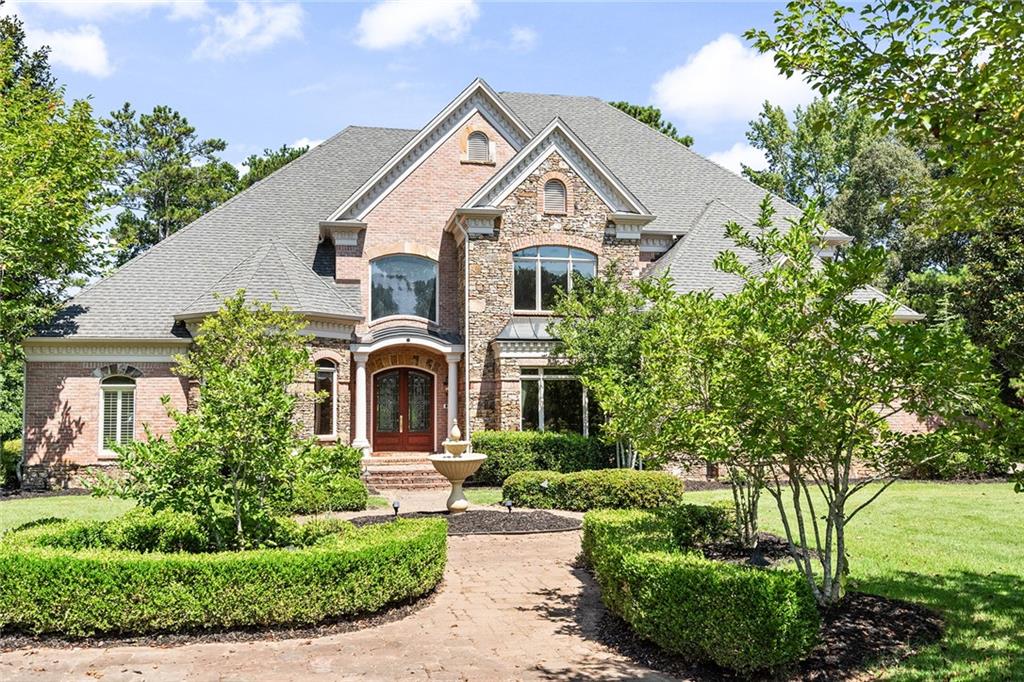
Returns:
(511, 608)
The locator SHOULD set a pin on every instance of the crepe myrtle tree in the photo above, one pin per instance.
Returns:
(230, 460)
(817, 373)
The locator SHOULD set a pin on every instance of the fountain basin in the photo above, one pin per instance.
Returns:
(457, 468)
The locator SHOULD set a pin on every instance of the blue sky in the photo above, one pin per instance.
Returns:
(264, 74)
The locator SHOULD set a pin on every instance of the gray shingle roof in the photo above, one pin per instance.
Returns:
(140, 299)
(274, 274)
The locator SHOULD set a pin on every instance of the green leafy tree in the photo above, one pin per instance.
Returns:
(651, 116)
(167, 177)
(233, 456)
(949, 69)
(260, 167)
(54, 160)
(808, 158)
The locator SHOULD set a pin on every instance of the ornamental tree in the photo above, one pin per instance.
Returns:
(230, 460)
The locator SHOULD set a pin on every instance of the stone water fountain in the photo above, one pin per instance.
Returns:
(457, 465)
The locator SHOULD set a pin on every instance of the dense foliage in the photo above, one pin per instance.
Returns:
(738, 617)
(598, 489)
(651, 116)
(340, 572)
(511, 451)
(327, 479)
(258, 167)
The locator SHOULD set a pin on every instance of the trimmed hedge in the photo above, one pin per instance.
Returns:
(343, 572)
(10, 455)
(738, 617)
(696, 525)
(600, 489)
(509, 452)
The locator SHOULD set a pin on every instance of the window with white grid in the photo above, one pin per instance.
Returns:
(117, 412)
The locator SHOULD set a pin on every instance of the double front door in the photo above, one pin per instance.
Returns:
(403, 410)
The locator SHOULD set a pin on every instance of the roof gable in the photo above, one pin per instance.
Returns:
(558, 137)
(477, 98)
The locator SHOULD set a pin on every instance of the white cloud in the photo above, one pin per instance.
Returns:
(250, 28)
(738, 155)
(726, 81)
(394, 23)
(98, 10)
(81, 49)
(523, 38)
(305, 142)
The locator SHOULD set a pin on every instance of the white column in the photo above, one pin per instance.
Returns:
(453, 389)
(360, 441)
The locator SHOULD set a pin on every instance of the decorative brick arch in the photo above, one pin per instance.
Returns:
(468, 130)
(404, 248)
(328, 354)
(557, 239)
(570, 203)
(118, 369)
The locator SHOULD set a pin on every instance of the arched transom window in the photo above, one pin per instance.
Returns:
(403, 285)
(117, 412)
(325, 384)
(554, 196)
(542, 271)
(478, 147)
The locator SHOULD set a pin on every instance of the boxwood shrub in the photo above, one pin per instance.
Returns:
(342, 571)
(600, 489)
(511, 451)
(738, 617)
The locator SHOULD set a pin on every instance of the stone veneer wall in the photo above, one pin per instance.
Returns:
(494, 385)
(337, 352)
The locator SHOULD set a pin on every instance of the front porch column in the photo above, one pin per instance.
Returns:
(453, 389)
(360, 441)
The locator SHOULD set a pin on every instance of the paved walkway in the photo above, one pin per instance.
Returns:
(511, 608)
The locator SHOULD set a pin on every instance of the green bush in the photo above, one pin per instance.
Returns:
(81, 593)
(10, 455)
(738, 617)
(600, 489)
(327, 480)
(511, 451)
(696, 525)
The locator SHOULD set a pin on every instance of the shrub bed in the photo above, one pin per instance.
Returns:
(51, 585)
(586, 490)
(327, 480)
(737, 617)
(509, 452)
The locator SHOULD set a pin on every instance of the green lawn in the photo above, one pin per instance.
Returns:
(13, 513)
(958, 548)
(483, 495)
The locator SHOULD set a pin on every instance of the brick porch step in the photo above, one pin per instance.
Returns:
(403, 471)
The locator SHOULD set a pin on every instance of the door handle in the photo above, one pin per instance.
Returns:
(401, 429)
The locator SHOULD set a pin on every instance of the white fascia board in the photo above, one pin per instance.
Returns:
(44, 349)
(476, 88)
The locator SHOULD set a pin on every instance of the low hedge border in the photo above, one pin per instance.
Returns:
(586, 490)
(737, 617)
(93, 591)
(509, 452)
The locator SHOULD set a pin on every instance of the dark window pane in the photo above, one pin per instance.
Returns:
(554, 252)
(323, 415)
(386, 394)
(526, 286)
(404, 285)
(580, 254)
(553, 277)
(563, 406)
(530, 404)
(585, 270)
(420, 387)
(529, 371)
(526, 253)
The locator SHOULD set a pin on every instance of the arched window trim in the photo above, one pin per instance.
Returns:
(329, 369)
(437, 288)
(121, 391)
(476, 158)
(556, 210)
(577, 260)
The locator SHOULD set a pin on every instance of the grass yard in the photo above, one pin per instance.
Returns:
(14, 513)
(958, 548)
(483, 495)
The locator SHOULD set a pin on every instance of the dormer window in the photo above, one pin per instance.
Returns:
(478, 147)
(554, 197)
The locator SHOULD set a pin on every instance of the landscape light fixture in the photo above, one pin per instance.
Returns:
(508, 505)
(395, 505)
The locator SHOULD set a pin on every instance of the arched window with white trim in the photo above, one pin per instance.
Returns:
(117, 412)
(540, 272)
(478, 147)
(325, 384)
(554, 197)
(403, 284)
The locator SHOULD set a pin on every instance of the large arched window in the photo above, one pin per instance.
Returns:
(541, 271)
(554, 197)
(478, 147)
(403, 285)
(325, 384)
(117, 412)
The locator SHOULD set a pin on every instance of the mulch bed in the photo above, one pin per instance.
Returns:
(864, 630)
(398, 611)
(771, 550)
(487, 522)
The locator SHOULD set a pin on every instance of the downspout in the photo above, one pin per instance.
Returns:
(467, 432)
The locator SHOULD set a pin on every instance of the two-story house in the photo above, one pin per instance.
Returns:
(425, 262)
